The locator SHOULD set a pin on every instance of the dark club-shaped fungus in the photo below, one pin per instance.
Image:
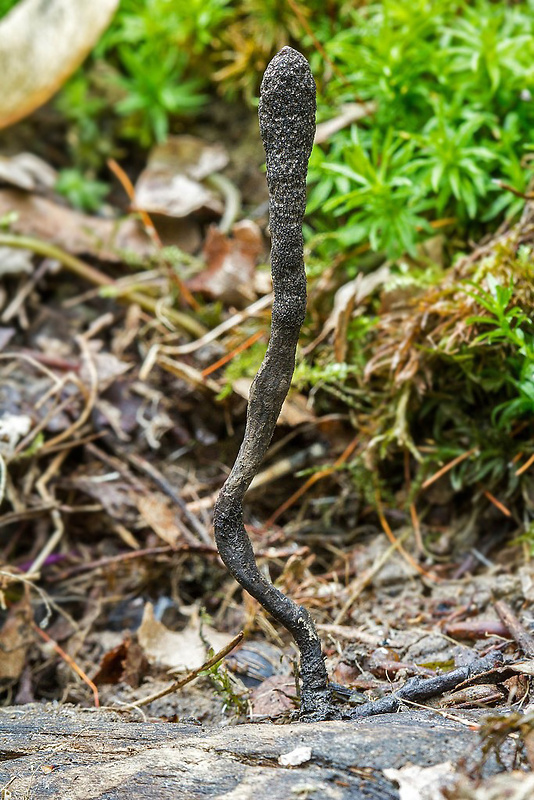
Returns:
(287, 125)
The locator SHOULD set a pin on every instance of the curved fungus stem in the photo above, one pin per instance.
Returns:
(287, 125)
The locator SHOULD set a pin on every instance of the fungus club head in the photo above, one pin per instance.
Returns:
(287, 115)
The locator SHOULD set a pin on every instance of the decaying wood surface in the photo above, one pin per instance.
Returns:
(73, 754)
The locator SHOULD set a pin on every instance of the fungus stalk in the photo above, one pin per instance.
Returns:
(287, 125)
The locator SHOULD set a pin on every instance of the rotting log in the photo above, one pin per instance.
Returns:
(287, 125)
(53, 753)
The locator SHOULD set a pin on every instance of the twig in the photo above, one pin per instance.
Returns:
(458, 460)
(128, 187)
(29, 439)
(232, 198)
(3, 478)
(150, 228)
(82, 342)
(40, 367)
(25, 292)
(513, 190)
(523, 638)
(417, 689)
(525, 466)
(288, 465)
(110, 560)
(393, 539)
(220, 330)
(57, 519)
(28, 579)
(94, 276)
(497, 503)
(309, 30)
(317, 476)
(28, 513)
(149, 469)
(190, 675)
(70, 661)
(229, 356)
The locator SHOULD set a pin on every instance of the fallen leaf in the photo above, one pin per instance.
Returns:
(159, 192)
(26, 171)
(476, 628)
(346, 299)
(116, 496)
(159, 515)
(273, 697)
(523, 667)
(125, 663)
(180, 651)
(231, 263)
(108, 367)
(14, 641)
(42, 44)
(189, 155)
(74, 231)
(171, 182)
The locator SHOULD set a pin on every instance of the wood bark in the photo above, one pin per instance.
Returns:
(61, 753)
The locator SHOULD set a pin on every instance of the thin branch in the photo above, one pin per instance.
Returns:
(417, 689)
(174, 687)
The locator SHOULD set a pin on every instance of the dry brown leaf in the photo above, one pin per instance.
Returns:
(171, 182)
(273, 696)
(15, 640)
(180, 651)
(190, 156)
(231, 263)
(125, 663)
(346, 299)
(160, 516)
(26, 171)
(73, 231)
(108, 367)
